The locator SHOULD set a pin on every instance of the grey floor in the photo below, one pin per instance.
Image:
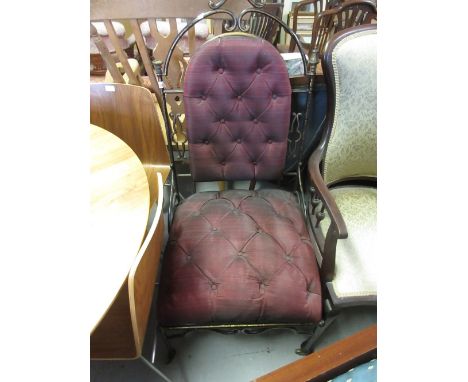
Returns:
(206, 356)
(212, 357)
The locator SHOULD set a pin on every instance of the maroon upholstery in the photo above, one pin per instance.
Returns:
(239, 257)
(237, 101)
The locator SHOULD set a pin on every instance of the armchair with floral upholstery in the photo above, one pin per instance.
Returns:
(343, 175)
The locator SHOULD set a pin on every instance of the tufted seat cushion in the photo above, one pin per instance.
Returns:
(239, 257)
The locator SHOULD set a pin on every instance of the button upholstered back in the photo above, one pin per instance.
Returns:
(237, 100)
(352, 148)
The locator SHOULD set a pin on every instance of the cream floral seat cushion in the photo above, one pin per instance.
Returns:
(356, 256)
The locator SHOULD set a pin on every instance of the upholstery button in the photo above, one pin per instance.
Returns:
(239, 97)
(255, 120)
(254, 163)
(220, 70)
(222, 120)
(206, 141)
(259, 71)
(214, 229)
(214, 287)
(203, 97)
(270, 141)
(239, 141)
(273, 96)
(223, 163)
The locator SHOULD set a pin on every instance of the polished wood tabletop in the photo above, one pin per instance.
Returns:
(119, 204)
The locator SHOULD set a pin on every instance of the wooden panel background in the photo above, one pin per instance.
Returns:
(123, 9)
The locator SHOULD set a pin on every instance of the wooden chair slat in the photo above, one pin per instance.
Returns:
(106, 56)
(145, 58)
(120, 53)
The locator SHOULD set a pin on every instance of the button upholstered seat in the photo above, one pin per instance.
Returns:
(239, 256)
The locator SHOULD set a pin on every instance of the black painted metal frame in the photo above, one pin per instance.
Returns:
(232, 24)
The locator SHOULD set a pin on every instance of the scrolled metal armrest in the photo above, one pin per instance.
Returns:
(325, 195)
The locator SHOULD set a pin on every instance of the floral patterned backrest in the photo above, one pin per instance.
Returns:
(352, 147)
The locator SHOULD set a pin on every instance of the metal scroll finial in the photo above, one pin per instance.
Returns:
(255, 3)
(232, 22)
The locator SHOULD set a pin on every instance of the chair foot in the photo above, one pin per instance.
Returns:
(170, 355)
(300, 352)
(307, 347)
(170, 351)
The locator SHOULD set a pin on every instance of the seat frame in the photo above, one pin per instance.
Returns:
(233, 23)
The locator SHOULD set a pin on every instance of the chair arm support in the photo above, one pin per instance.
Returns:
(325, 195)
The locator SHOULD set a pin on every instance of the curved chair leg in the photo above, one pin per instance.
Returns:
(308, 345)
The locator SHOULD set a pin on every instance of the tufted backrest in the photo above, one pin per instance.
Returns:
(237, 100)
(352, 147)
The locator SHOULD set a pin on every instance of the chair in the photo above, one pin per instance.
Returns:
(348, 14)
(343, 174)
(169, 28)
(238, 259)
(129, 112)
(98, 66)
(314, 7)
(263, 26)
(334, 16)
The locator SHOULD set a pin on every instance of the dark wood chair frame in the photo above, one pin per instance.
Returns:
(348, 14)
(333, 20)
(319, 200)
(265, 27)
(318, 4)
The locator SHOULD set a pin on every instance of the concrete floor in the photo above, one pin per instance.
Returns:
(212, 357)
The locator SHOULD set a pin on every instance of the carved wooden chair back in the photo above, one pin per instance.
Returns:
(315, 6)
(127, 43)
(129, 112)
(114, 55)
(348, 14)
(264, 27)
